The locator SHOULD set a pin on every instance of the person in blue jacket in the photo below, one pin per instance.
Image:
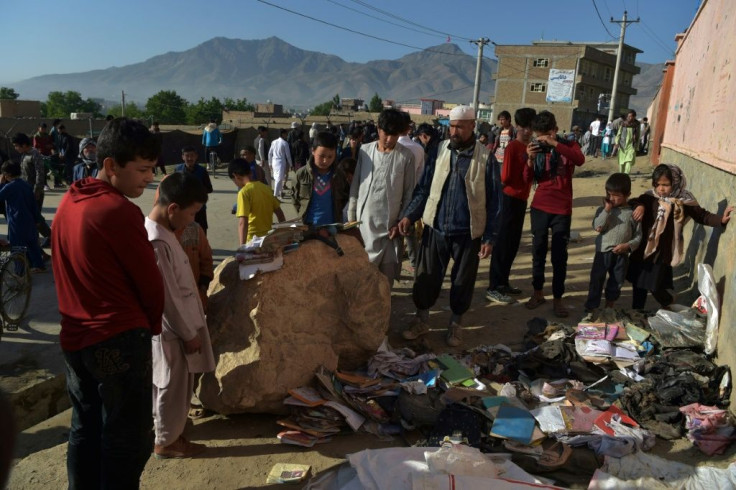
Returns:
(211, 139)
(21, 211)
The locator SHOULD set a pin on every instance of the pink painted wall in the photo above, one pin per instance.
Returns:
(700, 112)
(411, 109)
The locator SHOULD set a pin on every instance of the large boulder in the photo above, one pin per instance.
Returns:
(272, 332)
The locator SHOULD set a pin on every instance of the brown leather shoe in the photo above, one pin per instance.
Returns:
(181, 448)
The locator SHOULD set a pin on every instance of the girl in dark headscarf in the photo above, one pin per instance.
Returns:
(664, 210)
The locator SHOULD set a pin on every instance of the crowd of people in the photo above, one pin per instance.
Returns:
(624, 138)
(132, 292)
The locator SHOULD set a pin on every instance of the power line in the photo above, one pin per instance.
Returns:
(383, 20)
(649, 32)
(357, 32)
(394, 16)
(605, 4)
(601, 19)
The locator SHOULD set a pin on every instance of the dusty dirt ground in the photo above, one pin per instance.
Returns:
(243, 448)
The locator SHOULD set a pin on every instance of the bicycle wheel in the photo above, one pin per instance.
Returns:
(15, 289)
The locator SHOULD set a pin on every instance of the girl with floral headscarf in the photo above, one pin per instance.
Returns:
(664, 210)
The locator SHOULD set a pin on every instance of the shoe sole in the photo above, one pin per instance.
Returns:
(182, 456)
(500, 301)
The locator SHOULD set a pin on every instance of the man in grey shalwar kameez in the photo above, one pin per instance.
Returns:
(381, 189)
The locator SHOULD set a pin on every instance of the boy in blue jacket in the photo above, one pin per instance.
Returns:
(21, 212)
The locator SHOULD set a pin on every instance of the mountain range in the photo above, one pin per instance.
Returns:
(271, 69)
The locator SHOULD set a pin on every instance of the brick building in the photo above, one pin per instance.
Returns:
(569, 79)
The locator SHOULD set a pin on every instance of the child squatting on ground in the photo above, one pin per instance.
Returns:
(664, 210)
(184, 347)
(619, 235)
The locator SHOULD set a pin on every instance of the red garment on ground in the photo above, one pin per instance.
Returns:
(554, 192)
(516, 175)
(105, 270)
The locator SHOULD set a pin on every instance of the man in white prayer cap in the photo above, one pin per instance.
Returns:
(458, 198)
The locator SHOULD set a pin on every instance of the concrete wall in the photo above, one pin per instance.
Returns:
(714, 190)
(20, 108)
(694, 122)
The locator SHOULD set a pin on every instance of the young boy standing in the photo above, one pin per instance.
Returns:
(381, 191)
(248, 153)
(20, 210)
(256, 203)
(190, 166)
(32, 171)
(111, 298)
(554, 161)
(619, 235)
(184, 347)
(322, 184)
(516, 177)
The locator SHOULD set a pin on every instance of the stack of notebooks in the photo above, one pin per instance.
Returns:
(316, 418)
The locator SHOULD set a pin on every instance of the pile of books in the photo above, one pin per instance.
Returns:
(340, 403)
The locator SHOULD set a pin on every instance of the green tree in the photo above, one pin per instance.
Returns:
(167, 107)
(204, 110)
(237, 104)
(8, 93)
(131, 110)
(61, 104)
(336, 102)
(376, 104)
(322, 109)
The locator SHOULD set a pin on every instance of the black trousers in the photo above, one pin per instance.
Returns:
(435, 253)
(542, 223)
(613, 265)
(507, 244)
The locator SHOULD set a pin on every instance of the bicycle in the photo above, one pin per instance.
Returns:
(15, 287)
(213, 161)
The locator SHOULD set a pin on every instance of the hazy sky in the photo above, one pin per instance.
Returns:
(48, 37)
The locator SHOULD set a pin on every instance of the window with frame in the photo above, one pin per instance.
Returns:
(541, 62)
(538, 87)
(607, 75)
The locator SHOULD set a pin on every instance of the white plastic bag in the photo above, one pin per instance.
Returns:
(456, 459)
(707, 288)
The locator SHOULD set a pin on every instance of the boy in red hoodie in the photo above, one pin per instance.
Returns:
(516, 177)
(553, 161)
(111, 299)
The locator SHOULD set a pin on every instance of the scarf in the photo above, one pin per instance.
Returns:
(672, 205)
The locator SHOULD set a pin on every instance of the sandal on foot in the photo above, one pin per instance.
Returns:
(534, 302)
(196, 412)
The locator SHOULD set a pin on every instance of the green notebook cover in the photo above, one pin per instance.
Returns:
(453, 372)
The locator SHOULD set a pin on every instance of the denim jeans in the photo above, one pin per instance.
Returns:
(110, 387)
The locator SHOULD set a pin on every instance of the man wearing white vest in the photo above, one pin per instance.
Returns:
(458, 199)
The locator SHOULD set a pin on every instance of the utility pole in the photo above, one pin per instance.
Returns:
(614, 92)
(122, 103)
(476, 91)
